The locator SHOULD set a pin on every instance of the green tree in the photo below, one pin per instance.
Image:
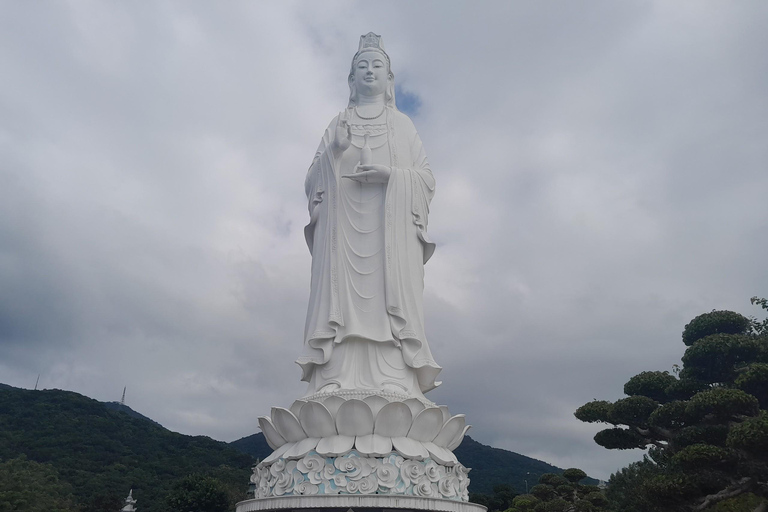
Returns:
(501, 499)
(706, 428)
(561, 493)
(28, 486)
(198, 493)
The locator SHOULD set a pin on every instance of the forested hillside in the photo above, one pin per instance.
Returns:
(96, 452)
(101, 453)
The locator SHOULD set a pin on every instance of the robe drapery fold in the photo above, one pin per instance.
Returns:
(406, 247)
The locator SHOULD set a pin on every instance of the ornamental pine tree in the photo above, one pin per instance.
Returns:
(705, 428)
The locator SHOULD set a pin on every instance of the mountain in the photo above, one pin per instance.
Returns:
(117, 406)
(494, 466)
(102, 450)
(254, 445)
(490, 466)
(102, 453)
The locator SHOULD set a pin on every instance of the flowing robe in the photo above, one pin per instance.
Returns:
(358, 242)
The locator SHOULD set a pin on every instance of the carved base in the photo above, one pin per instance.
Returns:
(356, 474)
(377, 445)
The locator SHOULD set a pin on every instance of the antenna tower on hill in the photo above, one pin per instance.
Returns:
(122, 400)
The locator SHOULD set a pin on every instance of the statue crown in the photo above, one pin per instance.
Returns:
(372, 41)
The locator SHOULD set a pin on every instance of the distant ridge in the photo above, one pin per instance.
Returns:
(117, 406)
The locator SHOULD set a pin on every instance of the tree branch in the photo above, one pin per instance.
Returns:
(734, 490)
(646, 435)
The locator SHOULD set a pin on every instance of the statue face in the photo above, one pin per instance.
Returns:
(371, 74)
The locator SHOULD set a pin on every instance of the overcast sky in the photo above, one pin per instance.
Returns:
(602, 175)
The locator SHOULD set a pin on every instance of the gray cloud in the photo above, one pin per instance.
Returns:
(601, 180)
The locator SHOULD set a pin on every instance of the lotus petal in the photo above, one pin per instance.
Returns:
(272, 457)
(274, 439)
(440, 454)
(296, 407)
(450, 430)
(332, 403)
(335, 446)
(374, 445)
(446, 413)
(409, 448)
(393, 420)
(458, 439)
(354, 418)
(301, 448)
(316, 420)
(414, 405)
(375, 402)
(287, 424)
(426, 425)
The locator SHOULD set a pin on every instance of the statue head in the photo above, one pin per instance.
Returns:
(371, 53)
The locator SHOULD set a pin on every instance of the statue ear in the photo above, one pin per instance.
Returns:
(352, 90)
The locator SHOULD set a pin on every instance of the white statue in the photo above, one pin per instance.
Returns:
(364, 425)
(369, 189)
(130, 503)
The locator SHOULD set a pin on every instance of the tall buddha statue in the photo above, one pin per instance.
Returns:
(369, 189)
(364, 426)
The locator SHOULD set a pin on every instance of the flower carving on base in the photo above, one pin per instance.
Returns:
(356, 473)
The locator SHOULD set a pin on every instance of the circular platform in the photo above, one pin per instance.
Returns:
(344, 503)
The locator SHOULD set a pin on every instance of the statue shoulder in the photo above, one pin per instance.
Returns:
(403, 121)
(334, 121)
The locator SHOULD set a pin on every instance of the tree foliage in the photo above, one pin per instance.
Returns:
(500, 500)
(198, 493)
(28, 486)
(716, 322)
(705, 429)
(561, 493)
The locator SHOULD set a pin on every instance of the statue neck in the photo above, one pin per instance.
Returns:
(363, 101)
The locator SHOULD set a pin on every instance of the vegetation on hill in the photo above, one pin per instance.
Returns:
(117, 406)
(254, 445)
(88, 454)
(494, 466)
(102, 454)
(198, 493)
(706, 428)
(28, 486)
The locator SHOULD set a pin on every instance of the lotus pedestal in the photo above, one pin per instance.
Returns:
(373, 452)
